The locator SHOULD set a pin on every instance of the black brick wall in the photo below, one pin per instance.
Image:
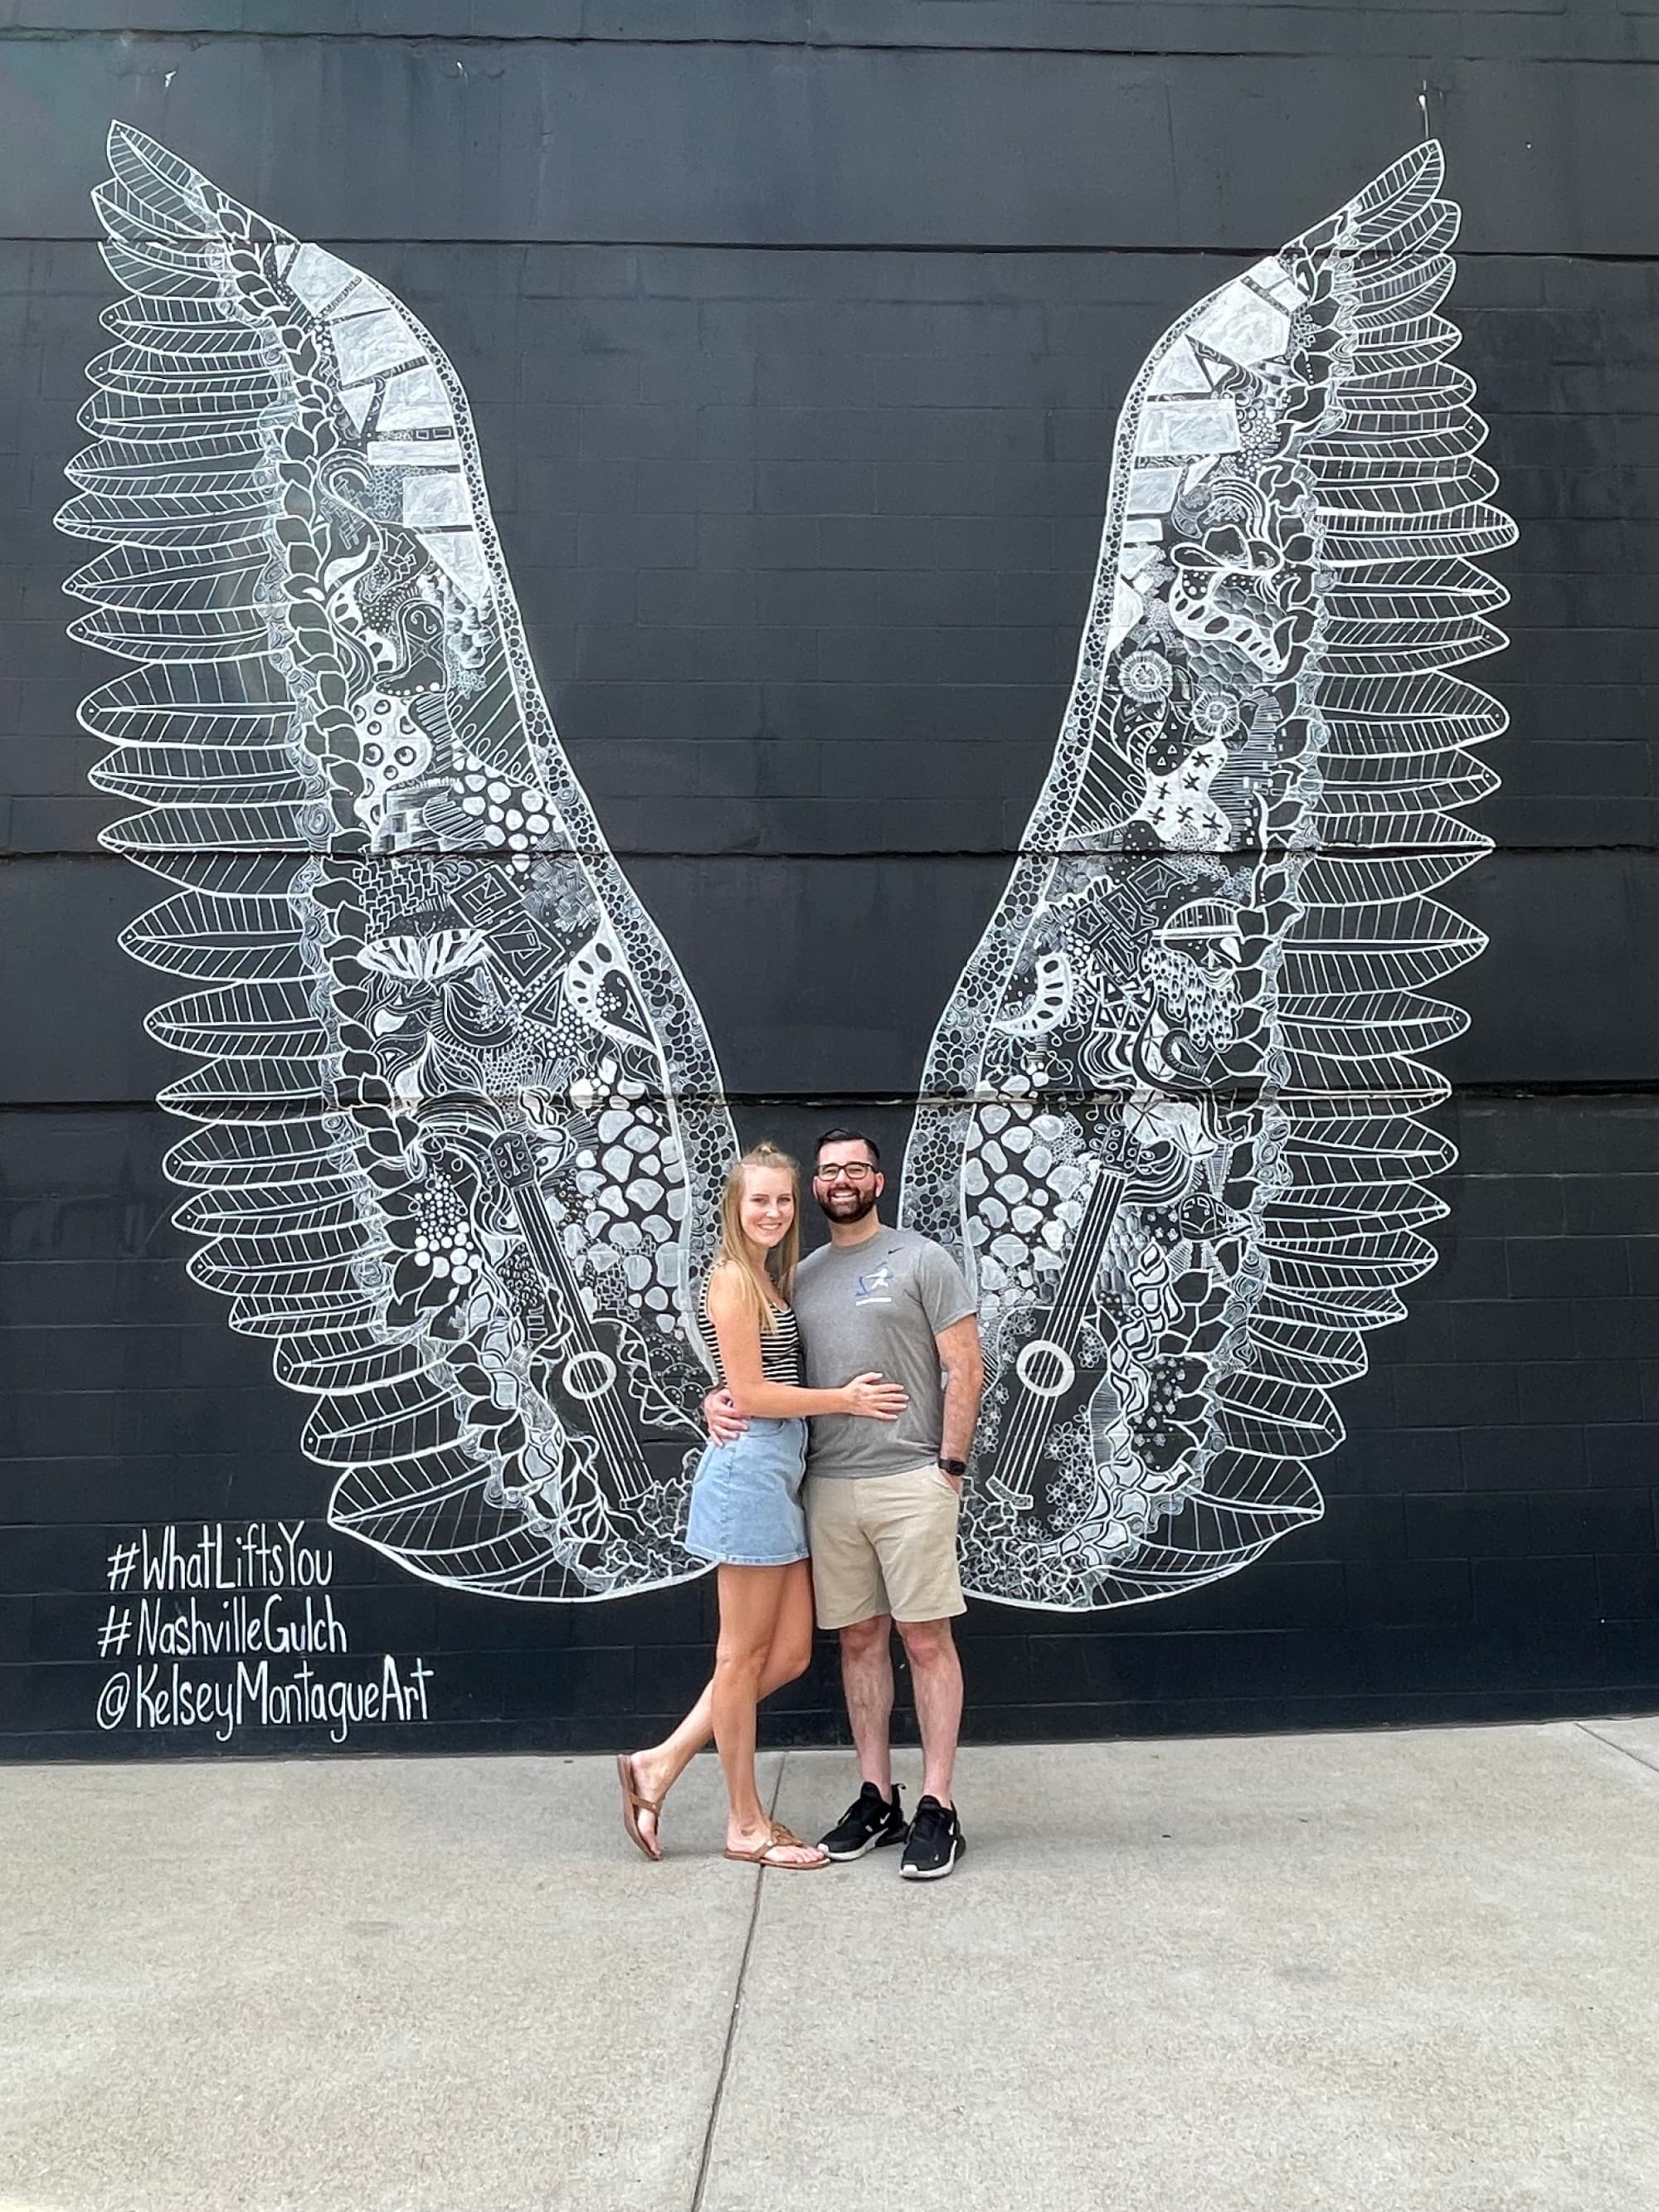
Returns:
(795, 348)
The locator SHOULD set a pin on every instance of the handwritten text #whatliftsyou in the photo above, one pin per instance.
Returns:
(268, 1555)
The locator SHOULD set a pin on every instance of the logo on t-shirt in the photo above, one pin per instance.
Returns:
(875, 1289)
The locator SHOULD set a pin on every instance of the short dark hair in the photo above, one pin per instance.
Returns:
(848, 1137)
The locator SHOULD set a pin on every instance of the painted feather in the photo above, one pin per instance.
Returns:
(460, 1133)
(1174, 1114)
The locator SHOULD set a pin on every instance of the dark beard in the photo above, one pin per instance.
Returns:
(867, 1198)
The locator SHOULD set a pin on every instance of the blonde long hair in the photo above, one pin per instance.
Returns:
(733, 1247)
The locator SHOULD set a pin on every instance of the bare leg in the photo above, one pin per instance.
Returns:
(936, 1672)
(866, 1679)
(751, 1599)
(657, 1769)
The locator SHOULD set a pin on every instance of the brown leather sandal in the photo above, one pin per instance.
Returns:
(633, 1805)
(781, 1838)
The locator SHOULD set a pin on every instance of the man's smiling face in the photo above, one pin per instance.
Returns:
(847, 1183)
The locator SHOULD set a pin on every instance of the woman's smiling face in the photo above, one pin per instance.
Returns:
(768, 1206)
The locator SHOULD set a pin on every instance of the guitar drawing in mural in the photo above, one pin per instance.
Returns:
(461, 1131)
(1173, 1114)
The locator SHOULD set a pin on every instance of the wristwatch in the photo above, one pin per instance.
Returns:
(956, 1466)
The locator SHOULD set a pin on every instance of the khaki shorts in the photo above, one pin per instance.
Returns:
(884, 1543)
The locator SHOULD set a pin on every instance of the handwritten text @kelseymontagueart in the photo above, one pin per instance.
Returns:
(164, 1696)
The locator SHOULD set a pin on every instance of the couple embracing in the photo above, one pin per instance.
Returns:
(872, 1341)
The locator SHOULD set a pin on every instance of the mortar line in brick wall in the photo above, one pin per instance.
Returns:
(793, 856)
(47, 34)
(1613, 1087)
(1230, 251)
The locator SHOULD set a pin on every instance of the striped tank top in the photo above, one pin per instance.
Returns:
(780, 1348)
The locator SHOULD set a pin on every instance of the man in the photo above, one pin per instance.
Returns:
(882, 1499)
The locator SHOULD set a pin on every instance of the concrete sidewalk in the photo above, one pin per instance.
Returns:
(1409, 1972)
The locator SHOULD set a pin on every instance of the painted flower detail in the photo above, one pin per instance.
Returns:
(433, 1230)
(1146, 677)
(1235, 587)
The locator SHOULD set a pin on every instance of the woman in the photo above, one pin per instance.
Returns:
(746, 1514)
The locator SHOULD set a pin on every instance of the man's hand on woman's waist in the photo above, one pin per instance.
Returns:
(721, 1418)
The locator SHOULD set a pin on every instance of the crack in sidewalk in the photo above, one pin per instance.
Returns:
(1638, 1757)
(717, 2101)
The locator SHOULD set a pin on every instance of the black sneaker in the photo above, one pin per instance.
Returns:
(935, 1841)
(869, 1823)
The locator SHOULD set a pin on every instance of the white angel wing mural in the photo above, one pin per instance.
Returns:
(1172, 1116)
(460, 1128)
(461, 1131)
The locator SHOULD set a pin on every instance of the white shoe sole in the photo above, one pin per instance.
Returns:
(846, 1858)
(932, 1873)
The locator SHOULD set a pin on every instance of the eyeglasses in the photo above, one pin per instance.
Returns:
(858, 1171)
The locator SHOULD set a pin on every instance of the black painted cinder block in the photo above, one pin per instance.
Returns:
(1472, 1266)
(1513, 1329)
(1617, 1456)
(599, 1681)
(1522, 1458)
(1613, 1204)
(1280, 1591)
(1396, 1593)
(1469, 1525)
(1392, 1461)
(1616, 1328)
(669, 1677)
(1509, 1205)
(1582, 1390)
(1353, 1526)
(1523, 1591)
(1467, 1393)
(1567, 1268)
(16, 1629)
(1615, 1522)
(1629, 1588)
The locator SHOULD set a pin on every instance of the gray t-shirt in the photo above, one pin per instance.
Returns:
(875, 1309)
